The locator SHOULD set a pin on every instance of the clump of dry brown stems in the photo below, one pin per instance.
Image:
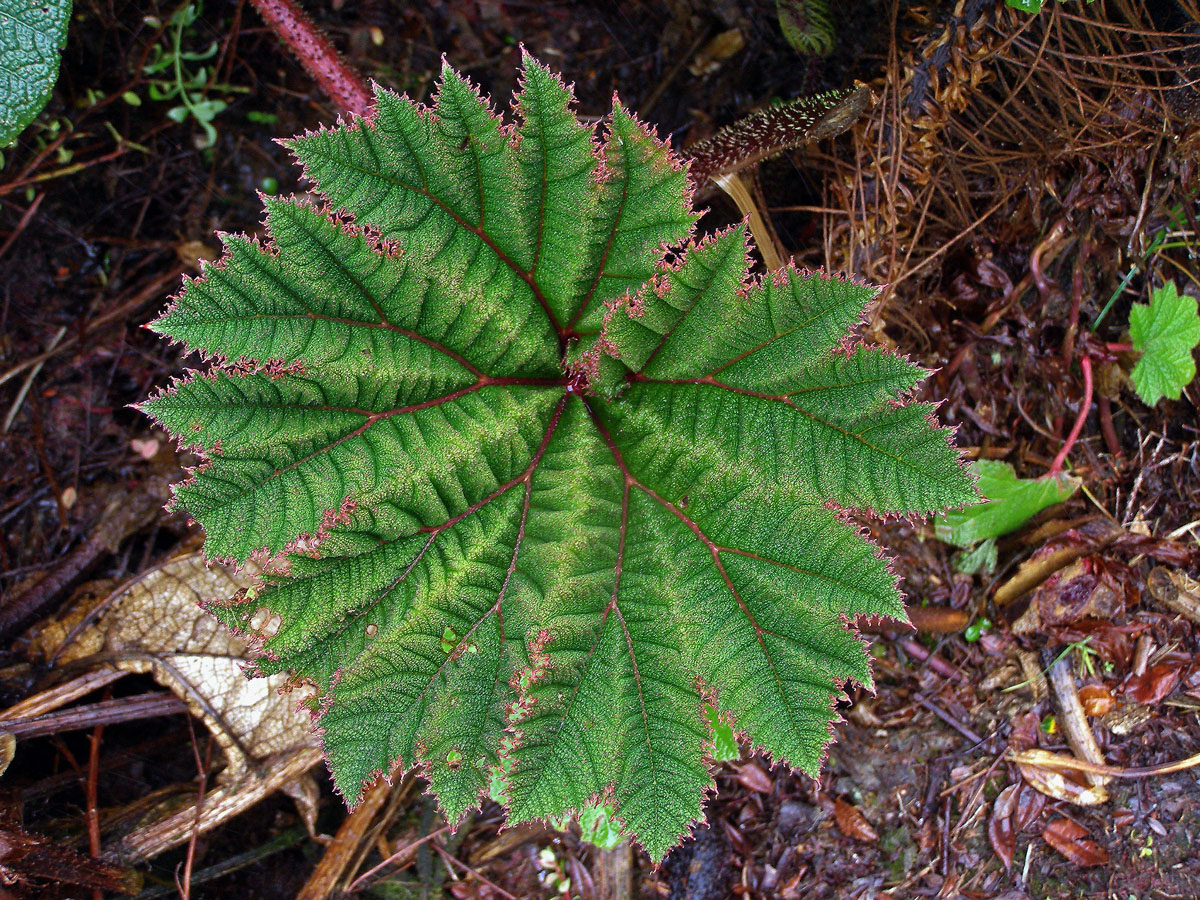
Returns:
(996, 123)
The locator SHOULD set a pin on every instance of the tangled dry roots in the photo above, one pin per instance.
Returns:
(999, 120)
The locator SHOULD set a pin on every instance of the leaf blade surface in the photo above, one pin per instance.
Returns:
(540, 489)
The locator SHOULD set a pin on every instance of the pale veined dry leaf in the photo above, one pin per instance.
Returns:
(155, 625)
(1063, 786)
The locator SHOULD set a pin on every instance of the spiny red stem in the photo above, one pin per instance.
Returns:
(337, 78)
(1085, 363)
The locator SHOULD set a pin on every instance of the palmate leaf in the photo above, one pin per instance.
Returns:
(543, 494)
(1165, 332)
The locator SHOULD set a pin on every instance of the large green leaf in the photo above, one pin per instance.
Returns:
(543, 491)
(32, 34)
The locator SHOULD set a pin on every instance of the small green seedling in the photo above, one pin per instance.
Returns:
(187, 85)
(977, 629)
(1033, 7)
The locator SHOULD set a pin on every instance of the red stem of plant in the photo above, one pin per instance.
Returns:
(1085, 363)
(185, 886)
(344, 85)
(931, 660)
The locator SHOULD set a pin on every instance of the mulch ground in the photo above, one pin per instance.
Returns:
(106, 202)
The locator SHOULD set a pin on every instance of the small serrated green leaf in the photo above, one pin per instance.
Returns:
(980, 560)
(1011, 502)
(543, 493)
(32, 35)
(1166, 332)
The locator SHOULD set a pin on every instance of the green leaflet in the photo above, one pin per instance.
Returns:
(1011, 502)
(1166, 332)
(807, 25)
(724, 744)
(551, 494)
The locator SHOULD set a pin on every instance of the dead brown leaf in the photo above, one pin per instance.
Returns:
(755, 777)
(1030, 804)
(1155, 684)
(1177, 591)
(1109, 640)
(716, 51)
(1013, 811)
(851, 822)
(1096, 699)
(1067, 786)
(1001, 834)
(155, 625)
(1070, 839)
(1088, 588)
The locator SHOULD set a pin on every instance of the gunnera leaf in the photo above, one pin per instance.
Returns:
(548, 475)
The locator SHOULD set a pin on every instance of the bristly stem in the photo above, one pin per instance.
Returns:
(1085, 363)
(344, 85)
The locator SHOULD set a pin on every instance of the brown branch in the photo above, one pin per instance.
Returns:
(351, 835)
(93, 801)
(103, 712)
(122, 517)
(1057, 761)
